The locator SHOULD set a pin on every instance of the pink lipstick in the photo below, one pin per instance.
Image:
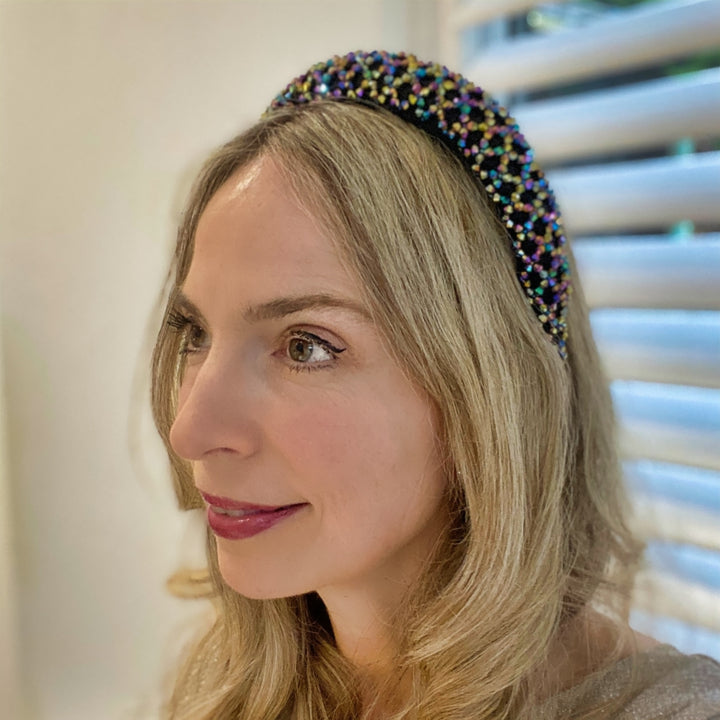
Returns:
(235, 520)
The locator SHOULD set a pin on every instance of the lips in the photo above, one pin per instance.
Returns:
(235, 520)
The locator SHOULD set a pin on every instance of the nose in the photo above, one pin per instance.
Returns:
(214, 410)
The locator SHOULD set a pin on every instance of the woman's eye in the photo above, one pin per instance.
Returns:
(306, 350)
(195, 339)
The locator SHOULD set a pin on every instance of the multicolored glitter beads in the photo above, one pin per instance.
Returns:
(477, 129)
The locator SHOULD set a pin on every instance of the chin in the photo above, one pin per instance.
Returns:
(270, 583)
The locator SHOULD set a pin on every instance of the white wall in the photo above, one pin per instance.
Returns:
(106, 109)
(9, 669)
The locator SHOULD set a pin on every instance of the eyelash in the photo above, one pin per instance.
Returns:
(183, 324)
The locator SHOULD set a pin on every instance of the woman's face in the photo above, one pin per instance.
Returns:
(318, 458)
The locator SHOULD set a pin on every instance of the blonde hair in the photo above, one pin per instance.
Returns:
(534, 478)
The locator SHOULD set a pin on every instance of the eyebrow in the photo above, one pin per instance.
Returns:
(282, 306)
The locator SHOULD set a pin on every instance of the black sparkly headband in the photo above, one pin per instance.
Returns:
(477, 129)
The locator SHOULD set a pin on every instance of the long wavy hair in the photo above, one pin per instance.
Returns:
(538, 507)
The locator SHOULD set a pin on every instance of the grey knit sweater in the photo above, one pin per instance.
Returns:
(665, 685)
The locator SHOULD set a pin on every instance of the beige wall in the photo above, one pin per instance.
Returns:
(106, 108)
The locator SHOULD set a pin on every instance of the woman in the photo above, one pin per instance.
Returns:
(374, 376)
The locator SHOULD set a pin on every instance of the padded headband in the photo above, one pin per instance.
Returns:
(481, 133)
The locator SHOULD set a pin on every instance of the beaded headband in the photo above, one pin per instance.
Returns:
(479, 131)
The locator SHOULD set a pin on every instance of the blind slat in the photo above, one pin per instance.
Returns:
(686, 636)
(642, 195)
(634, 39)
(675, 483)
(666, 520)
(668, 423)
(631, 118)
(668, 443)
(685, 561)
(482, 11)
(677, 347)
(665, 594)
(644, 273)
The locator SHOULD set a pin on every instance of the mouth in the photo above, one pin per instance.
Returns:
(236, 520)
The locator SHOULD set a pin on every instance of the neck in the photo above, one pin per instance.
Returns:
(364, 632)
(366, 613)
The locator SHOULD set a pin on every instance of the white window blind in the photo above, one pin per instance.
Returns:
(621, 101)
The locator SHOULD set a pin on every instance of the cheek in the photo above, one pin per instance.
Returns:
(333, 438)
(359, 454)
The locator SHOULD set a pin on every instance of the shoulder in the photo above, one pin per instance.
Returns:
(658, 683)
(673, 685)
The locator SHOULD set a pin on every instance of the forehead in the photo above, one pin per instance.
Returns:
(255, 236)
